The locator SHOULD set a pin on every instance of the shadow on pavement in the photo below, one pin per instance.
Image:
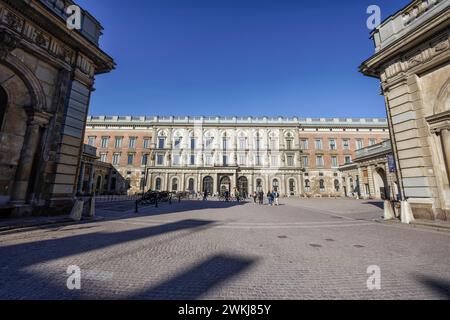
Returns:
(196, 281)
(378, 204)
(183, 206)
(442, 287)
(15, 259)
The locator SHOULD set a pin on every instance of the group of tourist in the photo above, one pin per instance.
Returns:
(273, 198)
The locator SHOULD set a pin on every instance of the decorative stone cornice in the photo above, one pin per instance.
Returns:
(439, 122)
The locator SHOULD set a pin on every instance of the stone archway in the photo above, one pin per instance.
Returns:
(380, 184)
(225, 185)
(243, 186)
(24, 121)
(208, 185)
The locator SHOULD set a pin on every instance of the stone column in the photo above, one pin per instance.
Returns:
(91, 179)
(183, 182)
(445, 139)
(29, 148)
(167, 183)
(80, 177)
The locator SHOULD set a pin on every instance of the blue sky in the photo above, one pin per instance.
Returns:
(237, 57)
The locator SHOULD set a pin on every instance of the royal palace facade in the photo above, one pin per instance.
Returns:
(295, 156)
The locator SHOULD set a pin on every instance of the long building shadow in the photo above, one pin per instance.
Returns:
(440, 286)
(165, 208)
(18, 256)
(198, 280)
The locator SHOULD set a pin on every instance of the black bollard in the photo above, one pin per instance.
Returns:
(136, 207)
(156, 202)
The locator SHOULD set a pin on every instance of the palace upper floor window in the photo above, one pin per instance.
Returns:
(319, 161)
(305, 161)
(177, 143)
(146, 143)
(290, 160)
(359, 144)
(91, 141)
(105, 142)
(346, 144)
(304, 145)
(160, 159)
(161, 142)
(319, 145)
(132, 143)
(116, 159)
(289, 144)
(193, 143)
(118, 142)
(332, 143)
(242, 143)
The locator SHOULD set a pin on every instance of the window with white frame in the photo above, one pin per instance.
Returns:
(304, 145)
(144, 159)
(290, 160)
(177, 143)
(359, 144)
(103, 157)
(319, 145)
(160, 159)
(348, 159)
(147, 143)
(105, 142)
(346, 144)
(305, 161)
(130, 159)
(334, 162)
(372, 141)
(319, 161)
(242, 143)
(242, 160)
(161, 142)
(118, 142)
(132, 143)
(332, 143)
(116, 158)
(192, 160)
(91, 141)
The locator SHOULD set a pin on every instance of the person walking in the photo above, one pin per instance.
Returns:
(270, 198)
(254, 197)
(205, 195)
(261, 198)
(277, 198)
(237, 194)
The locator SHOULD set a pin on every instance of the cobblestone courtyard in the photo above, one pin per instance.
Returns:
(303, 249)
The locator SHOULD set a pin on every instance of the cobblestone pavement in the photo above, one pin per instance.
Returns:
(303, 249)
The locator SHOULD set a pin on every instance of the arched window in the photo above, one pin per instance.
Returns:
(208, 183)
(3, 102)
(191, 184)
(275, 185)
(158, 184)
(259, 186)
(174, 184)
(337, 186)
(292, 187)
(322, 185)
(307, 185)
